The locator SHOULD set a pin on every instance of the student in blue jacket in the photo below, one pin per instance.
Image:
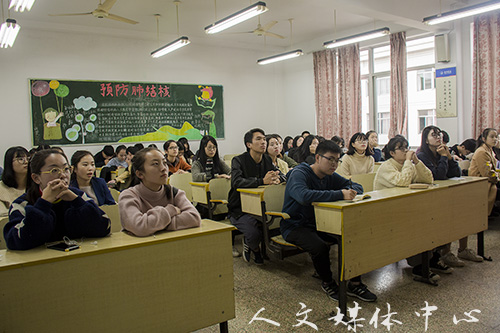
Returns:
(319, 183)
(50, 210)
(83, 178)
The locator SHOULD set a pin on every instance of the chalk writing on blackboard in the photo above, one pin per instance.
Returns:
(86, 112)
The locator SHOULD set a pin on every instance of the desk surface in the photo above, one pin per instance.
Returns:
(389, 193)
(176, 281)
(115, 242)
(397, 223)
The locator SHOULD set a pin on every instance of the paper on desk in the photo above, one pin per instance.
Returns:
(360, 197)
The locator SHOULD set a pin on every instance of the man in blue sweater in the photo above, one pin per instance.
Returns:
(319, 183)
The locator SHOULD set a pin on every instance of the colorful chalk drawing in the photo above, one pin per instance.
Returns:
(85, 104)
(207, 117)
(52, 128)
(122, 111)
(167, 133)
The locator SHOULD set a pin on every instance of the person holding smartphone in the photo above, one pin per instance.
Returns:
(50, 209)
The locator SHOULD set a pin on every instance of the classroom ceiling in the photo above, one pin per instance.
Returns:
(312, 19)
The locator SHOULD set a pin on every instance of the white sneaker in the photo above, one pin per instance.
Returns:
(451, 260)
(236, 253)
(468, 254)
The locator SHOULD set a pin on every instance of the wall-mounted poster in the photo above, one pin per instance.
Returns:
(446, 92)
(67, 112)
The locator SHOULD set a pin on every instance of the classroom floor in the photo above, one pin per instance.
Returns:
(280, 287)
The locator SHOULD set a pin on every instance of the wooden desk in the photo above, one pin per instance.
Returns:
(176, 281)
(397, 223)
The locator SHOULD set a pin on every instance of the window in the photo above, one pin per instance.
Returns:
(425, 79)
(375, 65)
(383, 123)
(426, 118)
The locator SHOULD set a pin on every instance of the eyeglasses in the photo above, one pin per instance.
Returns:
(22, 160)
(173, 148)
(402, 148)
(332, 160)
(212, 148)
(57, 171)
(437, 135)
(361, 141)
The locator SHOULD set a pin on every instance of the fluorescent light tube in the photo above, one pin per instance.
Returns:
(357, 38)
(21, 5)
(463, 12)
(280, 57)
(8, 33)
(176, 44)
(238, 17)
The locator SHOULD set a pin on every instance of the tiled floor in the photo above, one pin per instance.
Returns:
(280, 287)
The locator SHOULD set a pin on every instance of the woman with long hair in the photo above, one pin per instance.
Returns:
(307, 150)
(358, 158)
(14, 177)
(208, 164)
(152, 205)
(50, 209)
(83, 178)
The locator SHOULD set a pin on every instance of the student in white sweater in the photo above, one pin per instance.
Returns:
(358, 159)
(402, 166)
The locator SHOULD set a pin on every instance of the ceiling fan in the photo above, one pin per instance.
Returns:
(102, 11)
(264, 30)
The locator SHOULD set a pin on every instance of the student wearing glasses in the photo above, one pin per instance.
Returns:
(208, 164)
(437, 157)
(358, 158)
(14, 177)
(319, 183)
(401, 167)
(175, 163)
(50, 210)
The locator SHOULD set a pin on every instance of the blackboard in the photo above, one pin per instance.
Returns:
(67, 112)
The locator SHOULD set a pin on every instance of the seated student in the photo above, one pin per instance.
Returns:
(208, 164)
(124, 180)
(483, 163)
(305, 134)
(436, 156)
(188, 154)
(373, 145)
(306, 151)
(250, 169)
(14, 177)
(50, 210)
(460, 152)
(175, 163)
(138, 146)
(288, 160)
(401, 167)
(319, 183)
(287, 144)
(296, 143)
(83, 178)
(273, 151)
(120, 161)
(152, 205)
(104, 156)
(358, 159)
(341, 143)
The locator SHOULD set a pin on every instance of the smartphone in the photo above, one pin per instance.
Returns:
(62, 246)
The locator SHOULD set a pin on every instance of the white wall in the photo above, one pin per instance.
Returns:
(253, 95)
